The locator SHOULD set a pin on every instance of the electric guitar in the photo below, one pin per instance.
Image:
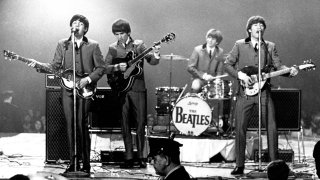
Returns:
(122, 81)
(66, 76)
(253, 73)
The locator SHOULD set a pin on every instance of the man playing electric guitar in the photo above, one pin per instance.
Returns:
(133, 99)
(245, 53)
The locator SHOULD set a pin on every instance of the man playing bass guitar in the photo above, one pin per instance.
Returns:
(88, 60)
(245, 53)
(133, 97)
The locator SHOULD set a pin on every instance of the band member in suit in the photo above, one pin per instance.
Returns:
(133, 101)
(88, 60)
(244, 54)
(206, 61)
(165, 158)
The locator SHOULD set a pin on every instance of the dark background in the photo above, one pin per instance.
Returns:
(32, 29)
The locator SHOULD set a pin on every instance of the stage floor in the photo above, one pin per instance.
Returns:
(24, 153)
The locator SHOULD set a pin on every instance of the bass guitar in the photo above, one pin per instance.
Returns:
(66, 76)
(253, 73)
(121, 82)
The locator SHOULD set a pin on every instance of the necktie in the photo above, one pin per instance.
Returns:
(256, 47)
(210, 54)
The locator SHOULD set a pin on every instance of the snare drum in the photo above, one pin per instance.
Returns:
(164, 94)
(191, 115)
(217, 89)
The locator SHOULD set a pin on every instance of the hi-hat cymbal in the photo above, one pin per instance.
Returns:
(173, 57)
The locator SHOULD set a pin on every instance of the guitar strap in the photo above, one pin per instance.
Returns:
(81, 59)
(65, 48)
(267, 61)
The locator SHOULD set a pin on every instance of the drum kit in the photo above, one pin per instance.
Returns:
(196, 113)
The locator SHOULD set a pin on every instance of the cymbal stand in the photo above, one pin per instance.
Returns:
(170, 91)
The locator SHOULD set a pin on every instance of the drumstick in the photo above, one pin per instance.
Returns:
(224, 75)
(184, 88)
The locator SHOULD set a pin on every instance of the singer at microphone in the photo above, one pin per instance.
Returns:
(244, 55)
(74, 29)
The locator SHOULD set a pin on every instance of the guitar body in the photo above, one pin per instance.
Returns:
(252, 72)
(122, 81)
(67, 82)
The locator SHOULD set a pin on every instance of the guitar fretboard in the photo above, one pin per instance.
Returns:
(277, 73)
(47, 69)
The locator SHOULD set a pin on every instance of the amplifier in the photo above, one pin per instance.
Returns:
(286, 155)
(52, 81)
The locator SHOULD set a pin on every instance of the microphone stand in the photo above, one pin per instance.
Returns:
(259, 102)
(74, 101)
(75, 173)
(260, 173)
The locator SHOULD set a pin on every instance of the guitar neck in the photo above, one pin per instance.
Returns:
(140, 56)
(47, 69)
(277, 73)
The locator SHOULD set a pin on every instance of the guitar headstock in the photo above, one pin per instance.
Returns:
(307, 65)
(9, 55)
(168, 38)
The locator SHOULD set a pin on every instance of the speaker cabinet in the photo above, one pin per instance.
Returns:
(105, 111)
(57, 147)
(285, 155)
(287, 104)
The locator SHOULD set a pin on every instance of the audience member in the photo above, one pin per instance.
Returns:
(165, 157)
(278, 170)
(316, 156)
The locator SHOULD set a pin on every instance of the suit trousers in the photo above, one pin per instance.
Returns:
(244, 106)
(134, 111)
(82, 124)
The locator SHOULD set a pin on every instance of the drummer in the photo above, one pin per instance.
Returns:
(206, 61)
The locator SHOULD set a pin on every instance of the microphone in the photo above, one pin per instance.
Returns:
(74, 29)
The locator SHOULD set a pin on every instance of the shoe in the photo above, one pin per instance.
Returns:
(237, 171)
(85, 169)
(128, 164)
(71, 168)
(142, 163)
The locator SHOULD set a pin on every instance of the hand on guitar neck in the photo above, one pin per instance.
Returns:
(35, 64)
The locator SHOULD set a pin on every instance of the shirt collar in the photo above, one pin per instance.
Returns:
(248, 40)
(172, 170)
(84, 39)
(204, 47)
(129, 40)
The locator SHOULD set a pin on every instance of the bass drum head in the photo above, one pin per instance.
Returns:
(191, 116)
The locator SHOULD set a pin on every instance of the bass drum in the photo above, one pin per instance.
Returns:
(191, 115)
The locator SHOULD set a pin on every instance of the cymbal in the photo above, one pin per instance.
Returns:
(173, 57)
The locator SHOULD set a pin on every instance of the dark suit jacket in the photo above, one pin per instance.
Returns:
(201, 63)
(180, 174)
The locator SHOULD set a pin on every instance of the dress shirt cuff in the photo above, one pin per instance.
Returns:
(89, 79)
(156, 55)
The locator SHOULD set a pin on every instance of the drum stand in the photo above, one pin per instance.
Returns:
(170, 108)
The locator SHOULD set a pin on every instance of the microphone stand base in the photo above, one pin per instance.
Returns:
(75, 174)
